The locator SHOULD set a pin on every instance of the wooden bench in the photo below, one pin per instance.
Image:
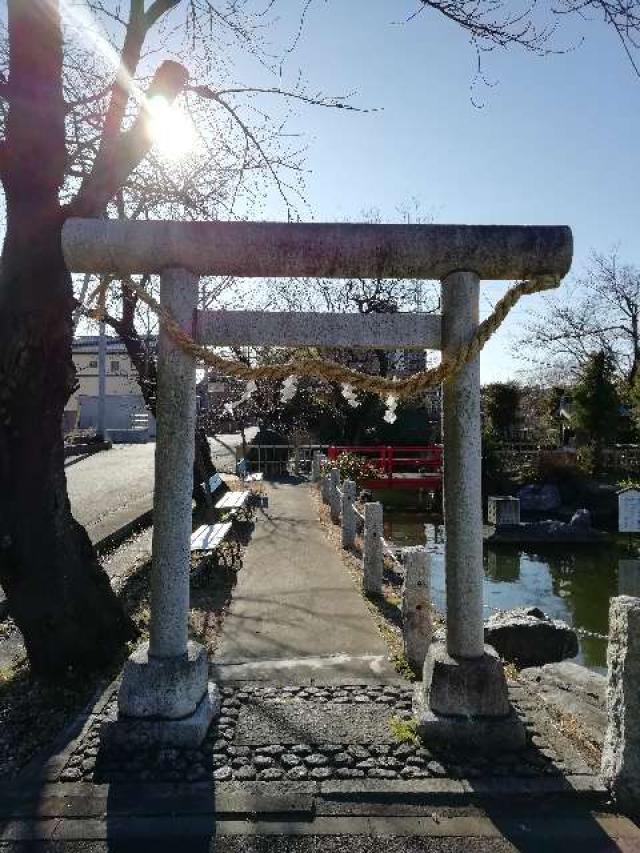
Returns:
(209, 537)
(235, 503)
(215, 482)
(242, 470)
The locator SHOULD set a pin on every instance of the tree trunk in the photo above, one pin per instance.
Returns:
(57, 592)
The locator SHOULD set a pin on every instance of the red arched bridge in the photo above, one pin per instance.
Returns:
(410, 467)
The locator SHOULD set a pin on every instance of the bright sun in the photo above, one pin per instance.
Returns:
(171, 130)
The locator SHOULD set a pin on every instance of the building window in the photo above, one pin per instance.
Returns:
(114, 367)
(93, 365)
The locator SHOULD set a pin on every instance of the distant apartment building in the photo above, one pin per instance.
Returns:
(124, 403)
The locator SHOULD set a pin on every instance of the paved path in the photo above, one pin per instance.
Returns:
(296, 614)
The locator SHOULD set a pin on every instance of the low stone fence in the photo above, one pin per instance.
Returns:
(412, 563)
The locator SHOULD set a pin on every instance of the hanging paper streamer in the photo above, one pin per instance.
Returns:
(390, 414)
(249, 390)
(350, 395)
(289, 388)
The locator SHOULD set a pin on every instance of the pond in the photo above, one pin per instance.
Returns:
(570, 583)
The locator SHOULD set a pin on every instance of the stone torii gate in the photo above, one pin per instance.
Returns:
(165, 692)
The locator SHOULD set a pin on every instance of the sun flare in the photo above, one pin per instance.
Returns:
(170, 129)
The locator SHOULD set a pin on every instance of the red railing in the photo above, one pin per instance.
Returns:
(412, 466)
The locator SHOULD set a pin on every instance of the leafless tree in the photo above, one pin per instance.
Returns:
(72, 149)
(599, 311)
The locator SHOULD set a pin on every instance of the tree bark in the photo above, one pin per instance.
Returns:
(57, 592)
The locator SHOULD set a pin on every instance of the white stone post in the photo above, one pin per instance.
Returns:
(348, 514)
(461, 432)
(315, 466)
(621, 752)
(167, 679)
(464, 692)
(325, 485)
(416, 606)
(334, 496)
(372, 555)
(503, 510)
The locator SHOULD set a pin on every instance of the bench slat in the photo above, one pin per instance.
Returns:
(209, 536)
(233, 500)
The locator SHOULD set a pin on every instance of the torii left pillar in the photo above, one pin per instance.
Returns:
(166, 696)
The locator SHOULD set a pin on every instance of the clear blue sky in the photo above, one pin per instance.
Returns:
(556, 142)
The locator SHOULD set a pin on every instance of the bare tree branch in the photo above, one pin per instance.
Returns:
(110, 173)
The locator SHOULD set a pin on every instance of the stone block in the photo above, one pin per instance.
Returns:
(168, 688)
(416, 607)
(621, 753)
(334, 496)
(503, 510)
(465, 687)
(188, 732)
(372, 557)
(529, 638)
(348, 515)
(480, 734)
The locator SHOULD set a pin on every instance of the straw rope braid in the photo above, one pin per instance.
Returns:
(331, 371)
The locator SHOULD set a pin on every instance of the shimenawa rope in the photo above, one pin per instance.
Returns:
(331, 371)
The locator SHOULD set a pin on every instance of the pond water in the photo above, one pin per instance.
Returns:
(570, 583)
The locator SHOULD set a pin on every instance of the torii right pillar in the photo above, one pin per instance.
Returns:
(463, 696)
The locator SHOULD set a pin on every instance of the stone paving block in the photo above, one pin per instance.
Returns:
(274, 721)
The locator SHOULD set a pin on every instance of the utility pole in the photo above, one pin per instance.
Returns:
(102, 381)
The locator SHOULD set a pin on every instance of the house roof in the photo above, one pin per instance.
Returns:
(89, 344)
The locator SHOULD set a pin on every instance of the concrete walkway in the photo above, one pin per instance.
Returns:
(296, 614)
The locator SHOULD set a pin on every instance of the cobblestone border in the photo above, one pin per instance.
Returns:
(220, 758)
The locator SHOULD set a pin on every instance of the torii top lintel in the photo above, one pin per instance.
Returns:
(317, 250)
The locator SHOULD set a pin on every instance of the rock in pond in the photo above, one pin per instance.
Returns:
(529, 638)
(548, 532)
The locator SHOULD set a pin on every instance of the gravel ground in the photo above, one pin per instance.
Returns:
(33, 714)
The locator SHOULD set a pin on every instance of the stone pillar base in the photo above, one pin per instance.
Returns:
(188, 732)
(166, 688)
(464, 702)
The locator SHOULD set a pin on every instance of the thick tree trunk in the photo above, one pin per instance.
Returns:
(57, 592)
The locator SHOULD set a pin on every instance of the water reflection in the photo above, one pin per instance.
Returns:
(570, 583)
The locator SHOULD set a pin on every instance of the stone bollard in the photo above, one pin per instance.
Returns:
(315, 466)
(348, 514)
(503, 510)
(325, 487)
(334, 496)
(372, 557)
(621, 752)
(416, 606)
